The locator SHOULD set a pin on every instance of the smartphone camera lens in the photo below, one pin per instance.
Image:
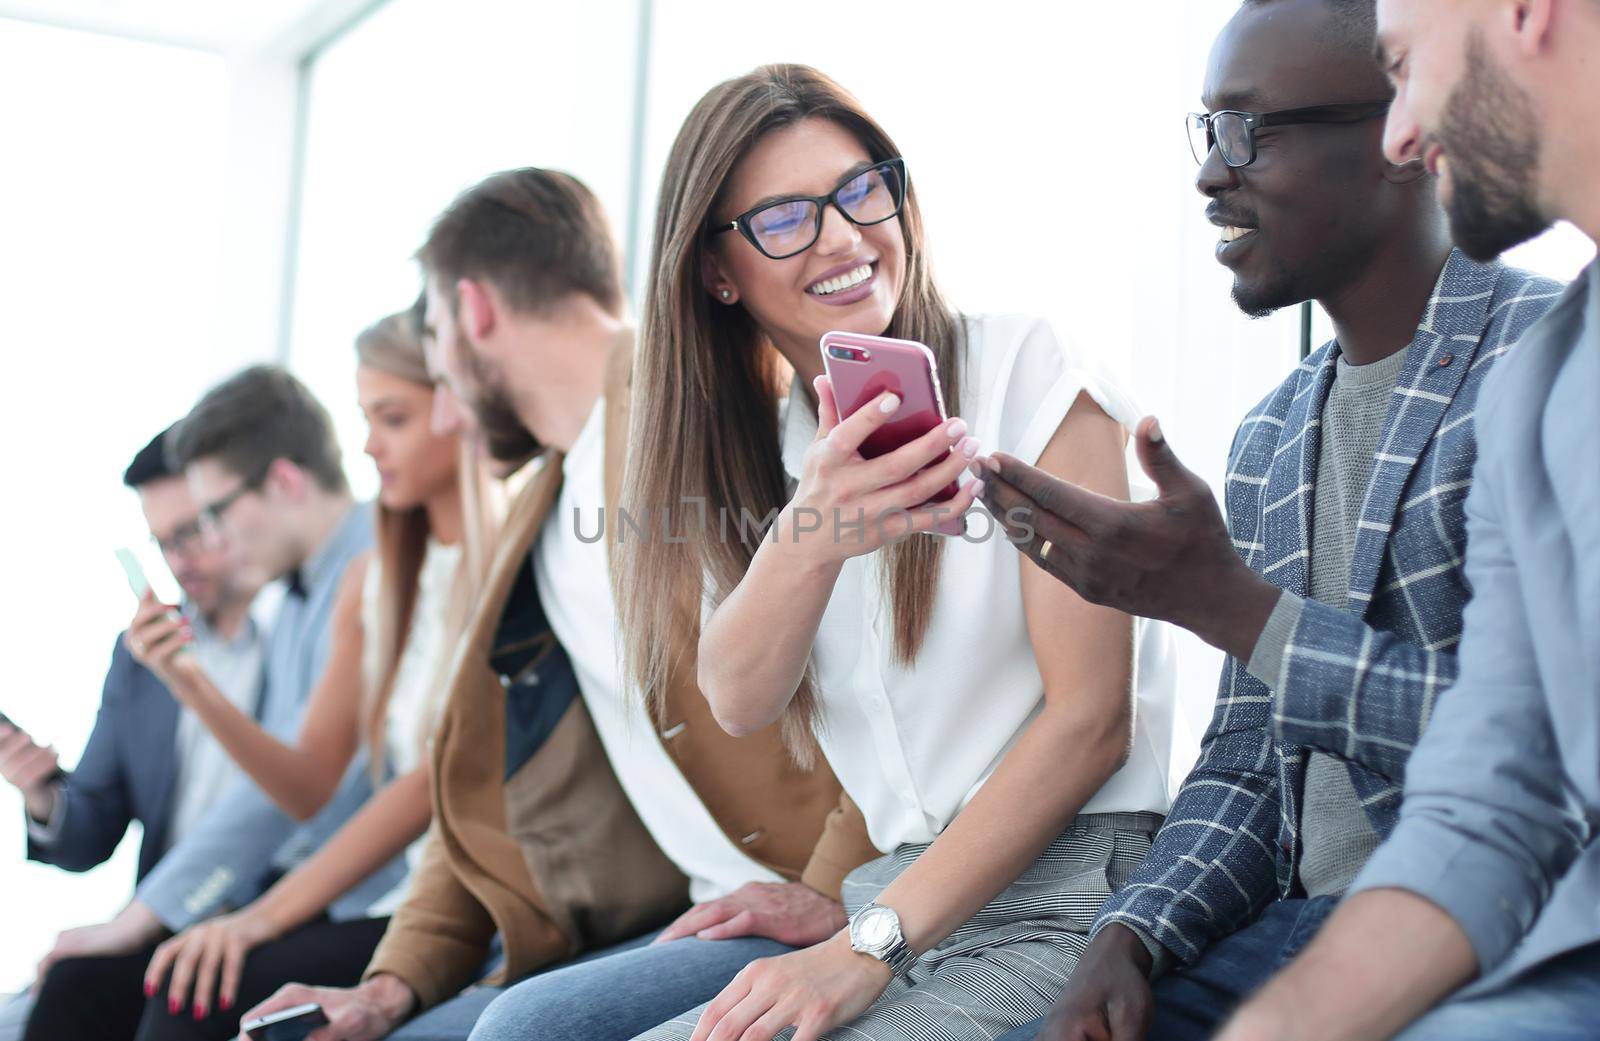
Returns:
(863, 355)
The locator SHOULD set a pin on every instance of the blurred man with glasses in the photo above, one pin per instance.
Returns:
(1336, 584)
(1491, 880)
(263, 466)
(148, 759)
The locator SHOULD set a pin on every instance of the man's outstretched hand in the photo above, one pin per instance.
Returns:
(1170, 558)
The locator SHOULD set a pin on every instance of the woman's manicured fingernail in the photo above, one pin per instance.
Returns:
(955, 428)
(174, 1006)
(977, 489)
(1156, 436)
(968, 447)
(889, 405)
(992, 463)
(199, 1011)
(224, 1003)
(149, 988)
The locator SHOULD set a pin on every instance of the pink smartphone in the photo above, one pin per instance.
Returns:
(861, 367)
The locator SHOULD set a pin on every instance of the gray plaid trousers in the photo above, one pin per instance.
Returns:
(1006, 966)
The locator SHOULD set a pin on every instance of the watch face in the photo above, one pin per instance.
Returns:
(876, 927)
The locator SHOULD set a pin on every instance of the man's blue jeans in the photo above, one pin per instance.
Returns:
(1556, 1002)
(621, 995)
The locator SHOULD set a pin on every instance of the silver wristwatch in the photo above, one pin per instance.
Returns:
(875, 930)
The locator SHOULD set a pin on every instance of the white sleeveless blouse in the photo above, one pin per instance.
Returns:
(913, 745)
(414, 702)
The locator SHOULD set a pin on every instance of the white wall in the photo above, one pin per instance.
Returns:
(420, 102)
(111, 202)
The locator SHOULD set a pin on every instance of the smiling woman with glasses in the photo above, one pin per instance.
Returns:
(978, 715)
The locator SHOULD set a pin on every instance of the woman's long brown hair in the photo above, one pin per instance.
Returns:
(394, 345)
(707, 382)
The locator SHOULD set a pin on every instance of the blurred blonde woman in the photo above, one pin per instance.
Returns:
(396, 613)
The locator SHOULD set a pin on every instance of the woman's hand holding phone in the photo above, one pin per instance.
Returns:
(848, 505)
(157, 637)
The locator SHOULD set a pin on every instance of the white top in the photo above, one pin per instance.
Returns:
(414, 702)
(205, 769)
(912, 746)
(575, 589)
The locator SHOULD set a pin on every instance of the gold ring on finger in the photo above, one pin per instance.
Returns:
(1044, 549)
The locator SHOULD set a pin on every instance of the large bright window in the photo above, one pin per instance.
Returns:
(110, 201)
(418, 102)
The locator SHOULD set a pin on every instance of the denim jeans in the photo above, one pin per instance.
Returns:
(14, 1016)
(620, 996)
(453, 1020)
(1557, 1001)
(1193, 1002)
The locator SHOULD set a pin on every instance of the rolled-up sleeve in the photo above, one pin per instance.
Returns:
(1488, 824)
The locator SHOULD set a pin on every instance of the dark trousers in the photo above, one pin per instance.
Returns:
(102, 999)
(1193, 1002)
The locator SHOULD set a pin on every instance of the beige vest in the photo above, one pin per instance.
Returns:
(555, 859)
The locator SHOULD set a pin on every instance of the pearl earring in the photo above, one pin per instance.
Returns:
(727, 294)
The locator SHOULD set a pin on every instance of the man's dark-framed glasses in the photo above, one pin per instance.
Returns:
(211, 514)
(1233, 133)
(783, 227)
(184, 538)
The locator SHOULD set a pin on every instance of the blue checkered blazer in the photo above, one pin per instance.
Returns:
(1358, 686)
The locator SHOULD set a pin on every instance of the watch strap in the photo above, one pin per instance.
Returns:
(898, 955)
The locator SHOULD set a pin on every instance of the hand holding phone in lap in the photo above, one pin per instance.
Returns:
(291, 1024)
(886, 458)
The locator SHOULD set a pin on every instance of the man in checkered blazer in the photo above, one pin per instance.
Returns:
(1340, 602)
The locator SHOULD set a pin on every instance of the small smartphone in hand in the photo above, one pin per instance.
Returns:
(290, 1024)
(8, 721)
(861, 367)
(137, 581)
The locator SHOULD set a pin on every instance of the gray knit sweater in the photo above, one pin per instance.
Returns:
(1336, 837)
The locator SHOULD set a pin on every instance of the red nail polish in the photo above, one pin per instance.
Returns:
(149, 988)
(174, 1006)
(199, 1011)
(224, 1003)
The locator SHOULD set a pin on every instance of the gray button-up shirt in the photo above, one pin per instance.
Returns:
(1503, 790)
(223, 861)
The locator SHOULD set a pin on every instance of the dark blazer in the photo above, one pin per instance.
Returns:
(127, 773)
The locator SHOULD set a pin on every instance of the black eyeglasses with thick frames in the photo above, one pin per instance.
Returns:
(1233, 133)
(783, 227)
